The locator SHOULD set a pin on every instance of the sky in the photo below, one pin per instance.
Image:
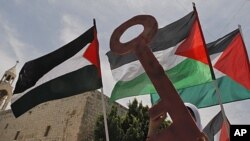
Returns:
(30, 29)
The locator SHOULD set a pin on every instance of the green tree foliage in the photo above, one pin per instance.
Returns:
(114, 126)
(130, 127)
(135, 122)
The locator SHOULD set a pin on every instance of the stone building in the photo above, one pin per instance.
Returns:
(6, 87)
(68, 119)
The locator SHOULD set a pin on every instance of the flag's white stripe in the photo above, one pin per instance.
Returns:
(72, 64)
(217, 136)
(214, 58)
(166, 58)
(218, 74)
(236, 112)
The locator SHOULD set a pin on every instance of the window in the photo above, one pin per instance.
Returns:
(47, 131)
(8, 78)
(6, 126)
(17, 134)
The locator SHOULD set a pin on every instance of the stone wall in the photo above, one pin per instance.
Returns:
(92, 111)
(68, 119)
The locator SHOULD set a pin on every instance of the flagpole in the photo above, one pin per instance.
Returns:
(217, 90)
(104, 115)
(240, 29)
(103, 104)
(204, 44)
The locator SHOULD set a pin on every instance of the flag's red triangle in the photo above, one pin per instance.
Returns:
(193, 46)
(92, 53)
(234, 62)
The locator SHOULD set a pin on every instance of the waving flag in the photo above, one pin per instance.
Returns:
(216, 129)
(231, 64)
(69, 70)
(179, 48)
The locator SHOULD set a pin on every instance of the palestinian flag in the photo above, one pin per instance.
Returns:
(179, 47)
(69, 70)
(231, 65)
(216, 129)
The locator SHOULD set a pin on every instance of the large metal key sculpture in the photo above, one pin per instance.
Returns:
(183, 127)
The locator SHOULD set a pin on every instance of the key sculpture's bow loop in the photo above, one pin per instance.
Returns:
(183, 127)
(150, 28)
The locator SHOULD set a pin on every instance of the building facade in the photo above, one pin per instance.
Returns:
(6, 87)
(68, 119)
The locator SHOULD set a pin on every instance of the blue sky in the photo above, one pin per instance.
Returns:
(29, 29)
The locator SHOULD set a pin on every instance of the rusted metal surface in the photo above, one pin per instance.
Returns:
(183, 127)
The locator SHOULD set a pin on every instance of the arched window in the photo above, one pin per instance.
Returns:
(8, 78)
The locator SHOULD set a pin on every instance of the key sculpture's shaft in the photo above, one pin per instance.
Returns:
(183, 127)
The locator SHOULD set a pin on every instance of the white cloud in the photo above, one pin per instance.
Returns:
(5, 58)
(71, 28)
(13, 48)
(14, 42)
(6, 62)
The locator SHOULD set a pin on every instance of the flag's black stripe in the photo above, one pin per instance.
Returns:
(222, 43)
(214, 126)
(165, 38)
(33, 70)
(80, 81)
(173, 33)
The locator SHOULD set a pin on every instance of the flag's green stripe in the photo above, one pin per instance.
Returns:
(190, 72)
(154, 97)
(204, 95)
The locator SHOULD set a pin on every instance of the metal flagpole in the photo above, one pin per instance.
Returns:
(217, 90)
(239, 26)
(240, 29)
(218, 93)
(103, 104)
(105, 116)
